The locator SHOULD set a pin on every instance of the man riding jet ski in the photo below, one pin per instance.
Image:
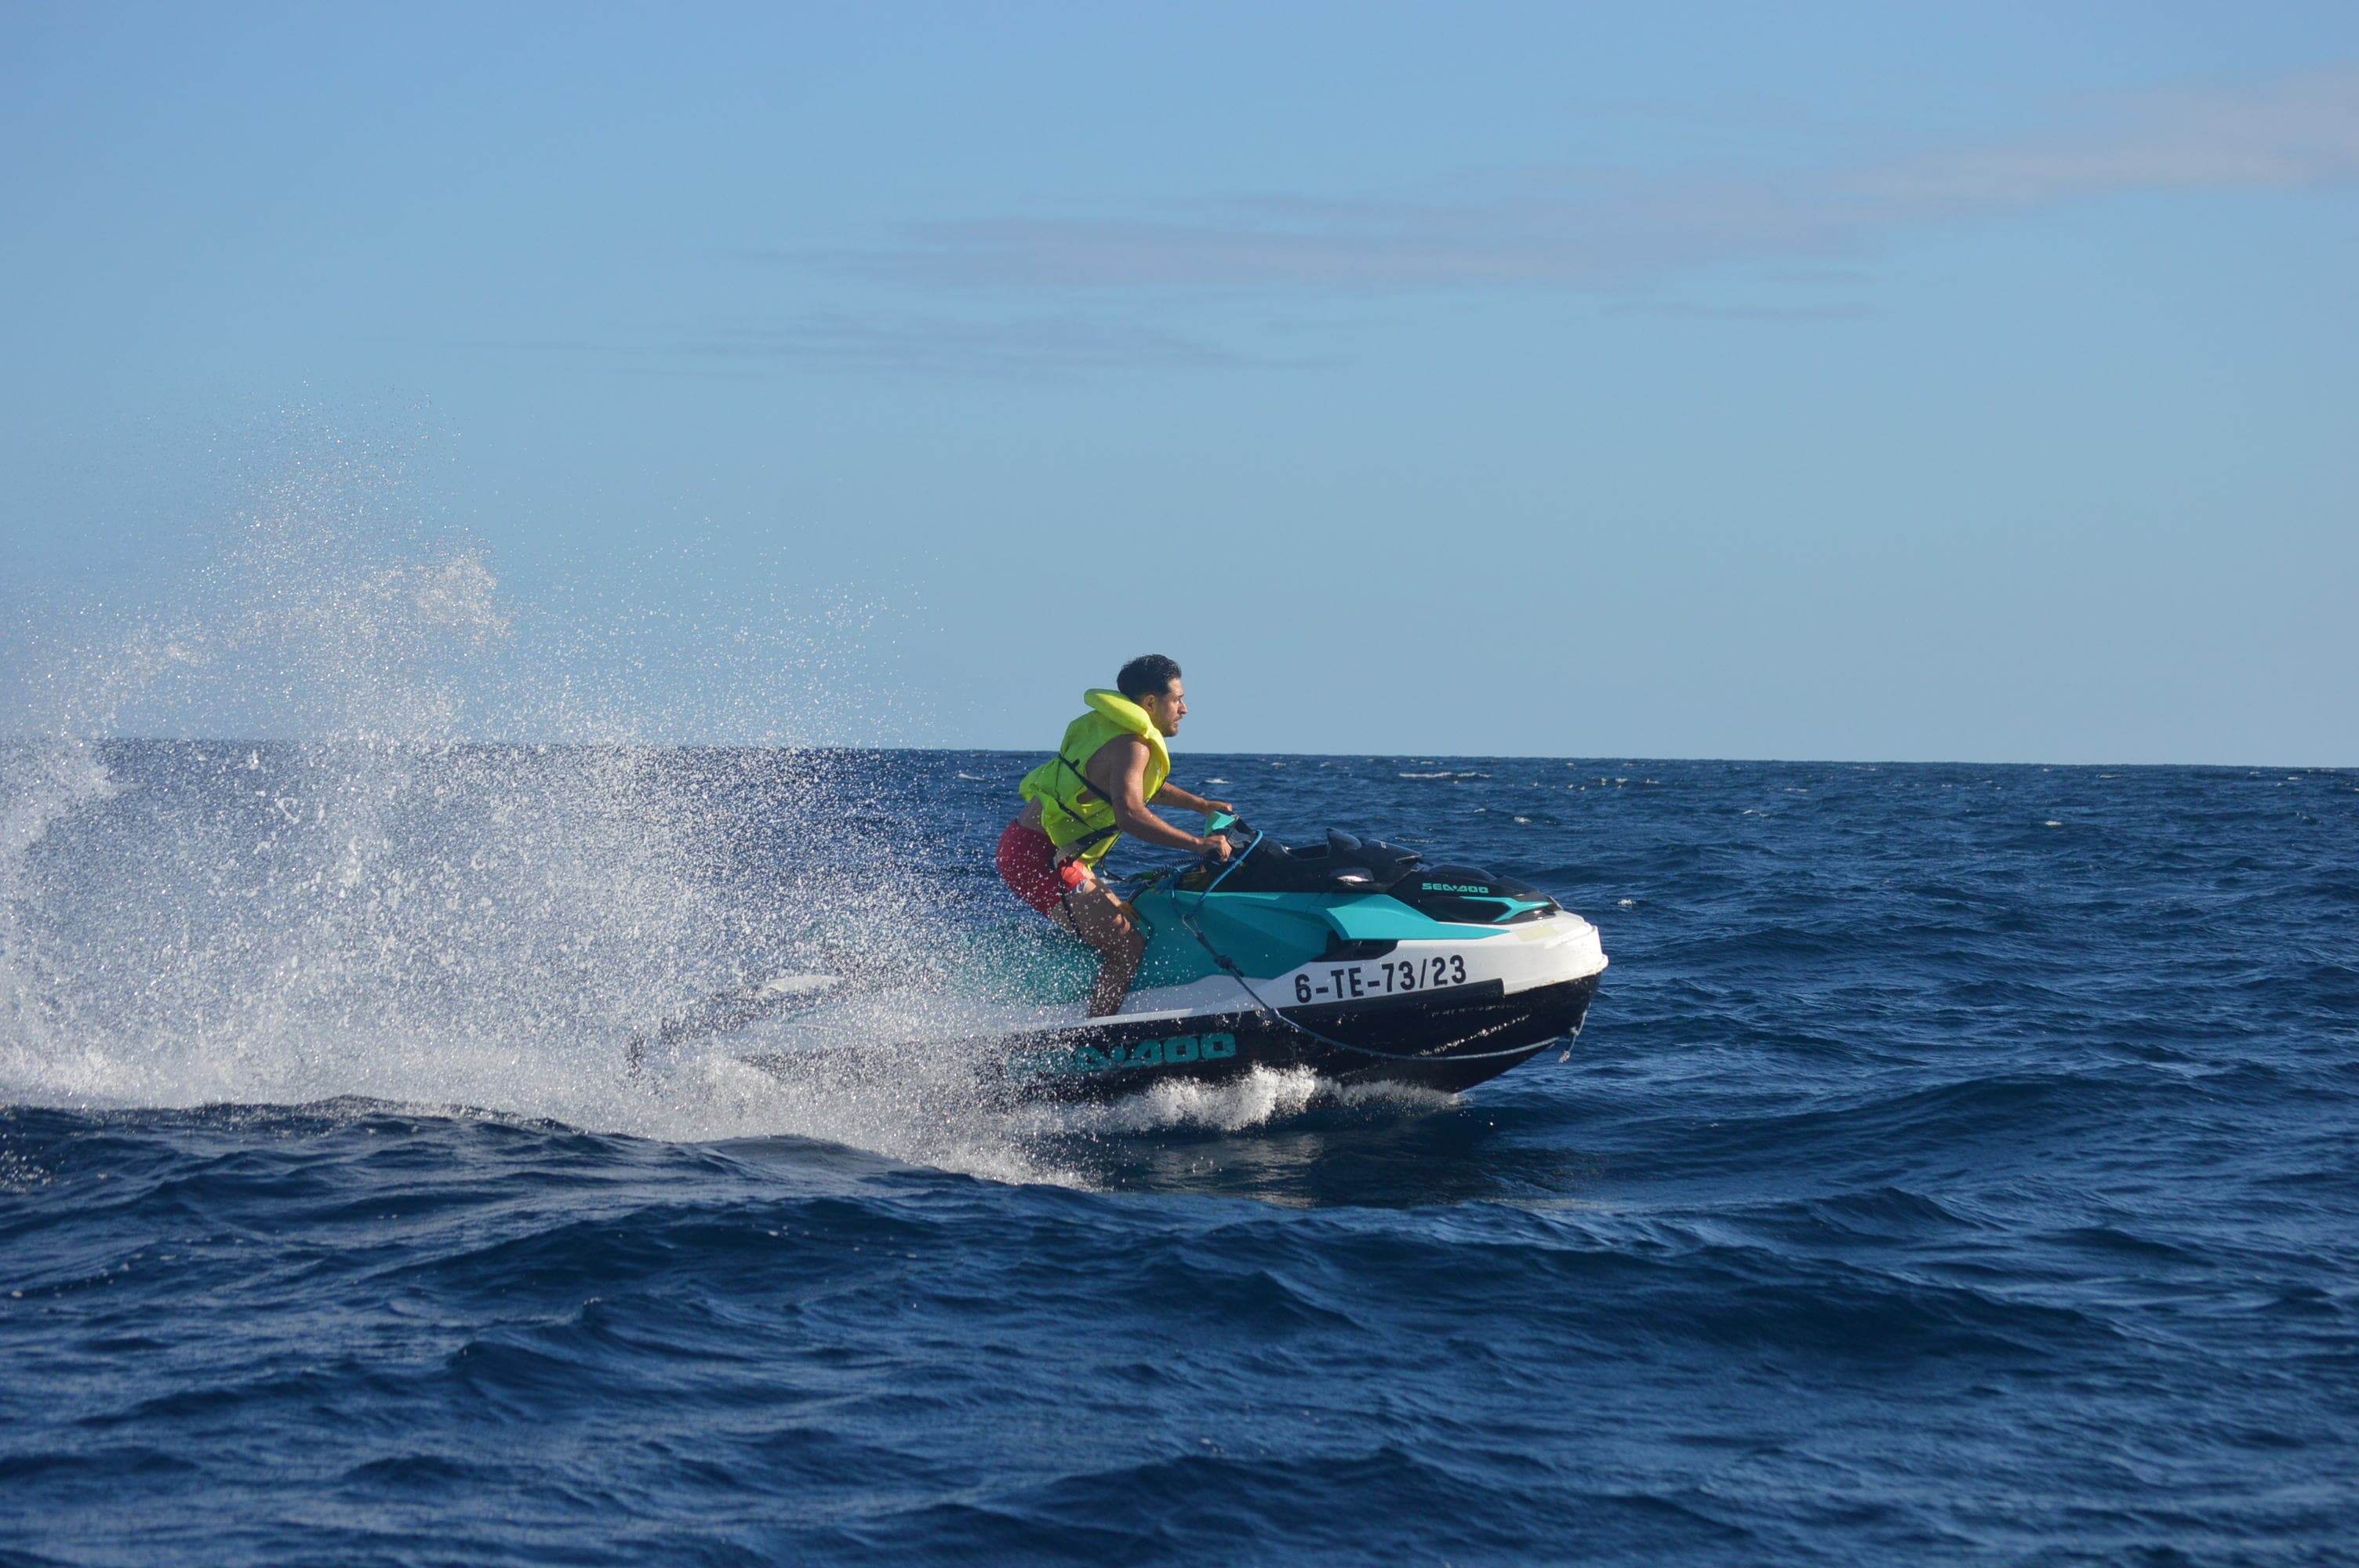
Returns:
(1347, 958)
(1354, 960)
(1111, 763)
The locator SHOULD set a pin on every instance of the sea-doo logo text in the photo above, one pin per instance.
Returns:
(1453, 887)
(1175, 1051)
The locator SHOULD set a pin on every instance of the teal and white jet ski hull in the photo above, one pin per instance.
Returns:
(1354, 961)
(1349, 959)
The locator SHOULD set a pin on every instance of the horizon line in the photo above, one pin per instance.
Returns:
(1257, 753)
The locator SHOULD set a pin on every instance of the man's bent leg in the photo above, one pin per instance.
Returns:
(1097, 917)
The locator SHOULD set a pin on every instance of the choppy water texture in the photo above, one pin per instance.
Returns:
(1959, 1165)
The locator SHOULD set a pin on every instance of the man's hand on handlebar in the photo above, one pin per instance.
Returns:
(1216, 847)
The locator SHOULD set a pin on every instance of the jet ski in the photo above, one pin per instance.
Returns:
(1353, 959)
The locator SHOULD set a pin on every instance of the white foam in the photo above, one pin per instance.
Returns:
(379, 909)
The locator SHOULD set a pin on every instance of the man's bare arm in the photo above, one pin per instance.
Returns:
(1172, 794)
(1119, 773)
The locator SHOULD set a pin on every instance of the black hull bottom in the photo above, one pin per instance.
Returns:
(1445, 1044)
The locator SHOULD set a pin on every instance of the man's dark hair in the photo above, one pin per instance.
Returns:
(1150, 675)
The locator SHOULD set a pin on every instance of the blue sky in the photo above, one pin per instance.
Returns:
(1824, 381)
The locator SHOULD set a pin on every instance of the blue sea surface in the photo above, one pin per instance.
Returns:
(1961, 1163)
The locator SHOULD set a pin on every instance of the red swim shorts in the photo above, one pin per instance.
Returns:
(1027, 864)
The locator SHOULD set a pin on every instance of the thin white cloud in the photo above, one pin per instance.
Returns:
(2299, 130)
(1025, 346)
(1033, 347)
(1584, 226)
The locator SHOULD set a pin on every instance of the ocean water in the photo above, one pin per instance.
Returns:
(1960, 1163)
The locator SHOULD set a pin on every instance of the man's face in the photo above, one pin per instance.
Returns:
(1167, 709)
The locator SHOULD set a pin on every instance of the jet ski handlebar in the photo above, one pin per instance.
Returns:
(1343, 863)
(1240, 834)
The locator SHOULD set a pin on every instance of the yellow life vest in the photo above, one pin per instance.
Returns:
(1079, 820)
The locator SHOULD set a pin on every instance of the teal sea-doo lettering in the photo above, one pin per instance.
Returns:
(1176, 1052)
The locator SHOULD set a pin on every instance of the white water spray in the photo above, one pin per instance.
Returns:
(374, 906)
